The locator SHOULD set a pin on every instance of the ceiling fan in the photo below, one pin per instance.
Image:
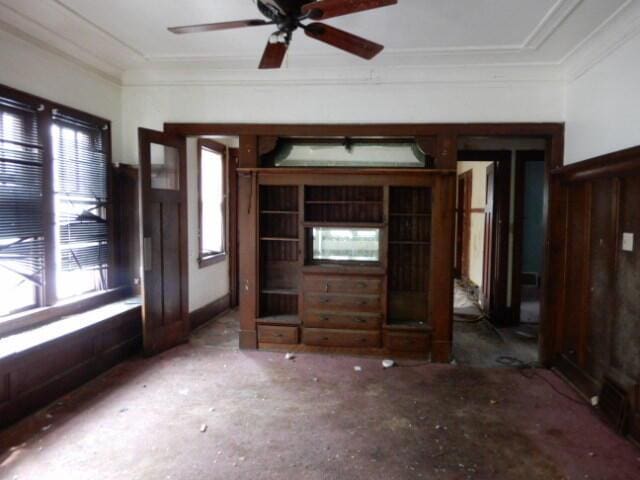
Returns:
(288, 16)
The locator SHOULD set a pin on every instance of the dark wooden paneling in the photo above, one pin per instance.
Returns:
(602, 277)
(597, 332)
(127, 225)
(35, 377)
(625, 348)
(576, 282)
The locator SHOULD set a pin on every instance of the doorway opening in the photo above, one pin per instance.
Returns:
(499, 250)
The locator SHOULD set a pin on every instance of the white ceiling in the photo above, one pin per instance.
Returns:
(115, 36)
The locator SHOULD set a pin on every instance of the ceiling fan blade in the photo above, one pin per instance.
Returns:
(344, 40)
(209, 27)
(334, 8)
(273, 55)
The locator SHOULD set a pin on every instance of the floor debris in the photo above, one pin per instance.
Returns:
(203, 427)
(357, 368)
(388, 363)
(289, 356)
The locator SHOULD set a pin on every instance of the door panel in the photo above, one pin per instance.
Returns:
(164, 230)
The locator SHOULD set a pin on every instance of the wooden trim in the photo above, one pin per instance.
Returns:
(620, 163)
(203, 314)
(554, 220)
(232, 248)
(534, 130)
(209, 260)
(216, 257)
(518, 225)
(350, 171)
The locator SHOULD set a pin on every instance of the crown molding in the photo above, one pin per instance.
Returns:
(196, 75)
(613, 33)
(115, 80)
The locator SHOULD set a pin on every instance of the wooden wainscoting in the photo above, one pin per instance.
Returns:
(597, 303)
(53, 364)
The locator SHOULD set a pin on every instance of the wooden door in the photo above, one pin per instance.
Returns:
(163, 208)
(496, 242)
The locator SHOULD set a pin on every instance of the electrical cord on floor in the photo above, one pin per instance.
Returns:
(524, 369)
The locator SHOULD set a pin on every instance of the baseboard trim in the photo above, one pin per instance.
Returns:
(204, 314)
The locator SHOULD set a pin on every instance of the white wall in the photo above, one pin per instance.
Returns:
(26, 67)
(446, 101)
(603, 106)
(209, 283)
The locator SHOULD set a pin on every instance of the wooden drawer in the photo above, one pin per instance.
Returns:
(343, 320)
(342, 284)
(350, 303)
(277, 334)
(340, 338)
(407, 341)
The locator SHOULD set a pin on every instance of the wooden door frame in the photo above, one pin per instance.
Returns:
(463, 230)
(446, 150)
(232, 234)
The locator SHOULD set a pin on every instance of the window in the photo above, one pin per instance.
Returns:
(80, 198)
(54, 235)
(21, 227)
(346, 244)
(212, 195)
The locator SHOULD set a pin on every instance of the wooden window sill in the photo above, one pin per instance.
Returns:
(211, 259)
(26, 341)
(36, 317)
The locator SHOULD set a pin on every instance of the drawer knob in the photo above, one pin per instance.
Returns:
(359, 320)
(326, 287)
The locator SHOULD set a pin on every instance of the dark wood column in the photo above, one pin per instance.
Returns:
(443, 251)
(247, 242)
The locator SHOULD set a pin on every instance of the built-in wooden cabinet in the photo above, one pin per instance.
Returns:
(314, 290)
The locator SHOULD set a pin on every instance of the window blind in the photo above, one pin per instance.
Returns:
(21, 201)
(80, 191)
